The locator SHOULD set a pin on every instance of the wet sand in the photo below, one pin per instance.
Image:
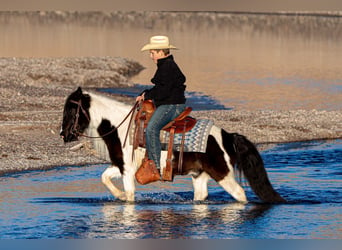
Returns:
(33, 91)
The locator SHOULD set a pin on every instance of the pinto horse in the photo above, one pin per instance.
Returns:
(95, 115)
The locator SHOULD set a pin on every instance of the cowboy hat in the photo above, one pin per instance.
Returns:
(158, 42)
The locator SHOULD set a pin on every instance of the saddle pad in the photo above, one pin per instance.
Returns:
(195, 139)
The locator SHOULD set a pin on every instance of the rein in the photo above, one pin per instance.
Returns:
(75, 126)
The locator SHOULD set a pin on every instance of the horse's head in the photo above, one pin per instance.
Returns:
(75, 115)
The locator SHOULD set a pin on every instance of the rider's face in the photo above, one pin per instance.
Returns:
(156, 54)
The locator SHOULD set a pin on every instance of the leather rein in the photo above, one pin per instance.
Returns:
(75, 127)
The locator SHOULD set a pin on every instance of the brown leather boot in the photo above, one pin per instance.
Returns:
(147, 172)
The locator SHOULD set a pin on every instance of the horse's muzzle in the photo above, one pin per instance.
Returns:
(68, 137)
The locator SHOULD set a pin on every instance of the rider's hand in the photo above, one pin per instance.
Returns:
(140, 98)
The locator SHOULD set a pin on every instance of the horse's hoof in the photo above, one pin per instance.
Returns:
(122, 197)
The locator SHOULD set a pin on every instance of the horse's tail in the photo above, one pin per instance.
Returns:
(250, 164)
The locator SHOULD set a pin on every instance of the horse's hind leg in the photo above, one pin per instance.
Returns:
(219, 166)
(107, 177)
(200, 184)
(233, 188)
(228, 183)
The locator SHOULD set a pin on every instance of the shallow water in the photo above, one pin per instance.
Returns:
(70, 202)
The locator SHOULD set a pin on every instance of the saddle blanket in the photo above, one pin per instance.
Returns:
(195, 140)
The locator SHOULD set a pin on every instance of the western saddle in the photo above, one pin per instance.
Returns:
(181, 124)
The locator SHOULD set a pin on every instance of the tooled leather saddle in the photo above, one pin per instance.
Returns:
(181, 124)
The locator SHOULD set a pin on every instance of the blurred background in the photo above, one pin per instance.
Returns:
(253, 60)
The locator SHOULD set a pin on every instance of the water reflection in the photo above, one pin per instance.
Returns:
(35, 204)
(120, 221)
(172, 221)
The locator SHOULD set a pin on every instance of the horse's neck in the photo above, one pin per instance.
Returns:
(102, 107)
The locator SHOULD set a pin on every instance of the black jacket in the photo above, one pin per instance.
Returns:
(168, 83)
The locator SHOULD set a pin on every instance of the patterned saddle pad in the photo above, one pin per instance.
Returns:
(195, 139)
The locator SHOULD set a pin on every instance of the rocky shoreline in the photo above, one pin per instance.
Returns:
(33, 91)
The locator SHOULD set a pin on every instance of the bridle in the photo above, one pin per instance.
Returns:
(75, 127)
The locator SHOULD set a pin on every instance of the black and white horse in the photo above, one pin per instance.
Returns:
(96, 115)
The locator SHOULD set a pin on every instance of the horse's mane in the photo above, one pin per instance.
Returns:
(104, 107)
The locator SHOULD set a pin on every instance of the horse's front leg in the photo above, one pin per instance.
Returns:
(107, 176)
(129, 185)
(200, 184)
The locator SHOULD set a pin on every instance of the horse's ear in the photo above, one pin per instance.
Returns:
(79, 91)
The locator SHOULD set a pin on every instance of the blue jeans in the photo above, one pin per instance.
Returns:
(161, 116)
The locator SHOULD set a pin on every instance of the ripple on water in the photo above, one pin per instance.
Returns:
(71, 202)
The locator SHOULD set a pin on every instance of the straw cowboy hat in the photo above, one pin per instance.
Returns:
(158, 42)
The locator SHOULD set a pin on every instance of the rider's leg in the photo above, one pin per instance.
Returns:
(161, 116)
